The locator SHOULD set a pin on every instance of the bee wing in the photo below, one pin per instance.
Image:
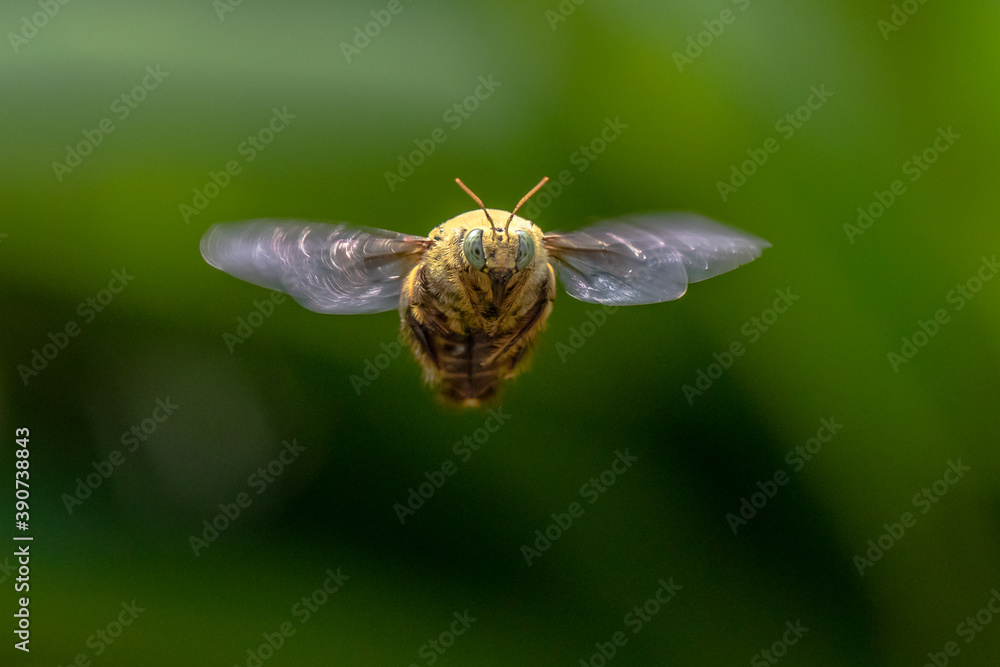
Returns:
(327, 268)
(647, 258)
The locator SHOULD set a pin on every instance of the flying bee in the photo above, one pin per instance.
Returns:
(474, 295)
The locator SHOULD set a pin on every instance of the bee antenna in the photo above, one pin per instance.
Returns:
(477, 200)
(524, 199)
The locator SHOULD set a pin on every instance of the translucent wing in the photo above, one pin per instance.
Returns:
(647, 258)
(327, 268)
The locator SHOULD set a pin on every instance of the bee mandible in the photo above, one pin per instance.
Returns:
(475, 294)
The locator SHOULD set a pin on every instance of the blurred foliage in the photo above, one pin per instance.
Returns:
(689, 125)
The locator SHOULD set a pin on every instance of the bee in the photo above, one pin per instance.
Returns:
(475, 294)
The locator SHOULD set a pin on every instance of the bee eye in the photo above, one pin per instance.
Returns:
(525, 250)
(473, 247)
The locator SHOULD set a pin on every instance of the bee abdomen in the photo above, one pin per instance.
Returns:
(466, 362)
(464, 367)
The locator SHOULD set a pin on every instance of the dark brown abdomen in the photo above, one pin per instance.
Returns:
(467, 367)
(465, 377)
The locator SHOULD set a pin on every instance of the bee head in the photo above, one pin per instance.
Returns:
(501, 251)
(504, 254)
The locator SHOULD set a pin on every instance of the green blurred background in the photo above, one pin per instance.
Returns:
(227, 67)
